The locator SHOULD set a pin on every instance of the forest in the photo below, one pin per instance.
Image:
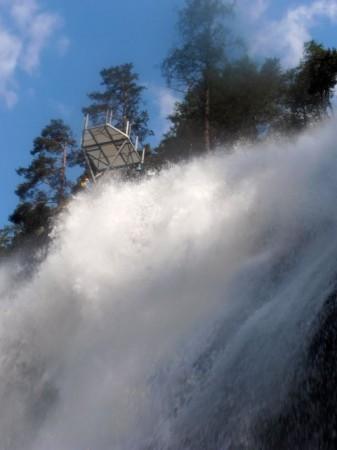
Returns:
(226, 97)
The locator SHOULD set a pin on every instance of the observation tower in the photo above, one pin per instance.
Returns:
(107, 148)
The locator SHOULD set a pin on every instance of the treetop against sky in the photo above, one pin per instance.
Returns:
(51, 53)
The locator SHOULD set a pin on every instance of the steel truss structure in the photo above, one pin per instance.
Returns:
(107, 148)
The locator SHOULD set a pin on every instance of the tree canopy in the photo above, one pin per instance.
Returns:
(202, 43)
(310, 86)
(46, 185)
(226, 97)
(201, 52)
(122, 94)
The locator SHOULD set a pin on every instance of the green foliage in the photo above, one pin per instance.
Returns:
(310, 86)
(123, 96)
(46, 186)
(225, 99)
(245, 98)
(31, 220)
(45, 178)
(201, 53)
(6, 240)
(202, 46)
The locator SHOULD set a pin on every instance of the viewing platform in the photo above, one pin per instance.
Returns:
(108, 148)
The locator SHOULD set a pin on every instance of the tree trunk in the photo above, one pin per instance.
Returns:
(207, 133)
(63, 181)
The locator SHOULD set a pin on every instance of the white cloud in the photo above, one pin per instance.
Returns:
(165, 101)
(289, 34)
(25, 31)
(283, 37)
(39, 32)
(253, 10)
(10, 49)
(23, 11)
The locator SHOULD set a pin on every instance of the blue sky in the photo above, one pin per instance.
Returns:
(51, 52)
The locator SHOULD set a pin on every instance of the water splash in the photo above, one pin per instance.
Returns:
(171, 313)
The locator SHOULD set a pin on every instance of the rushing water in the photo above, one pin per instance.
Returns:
(173, 312)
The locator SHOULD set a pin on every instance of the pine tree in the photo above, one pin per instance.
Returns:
(46, 185)
(6, 240)
(246, 98)
(310, 86)
(122, 94)
(201, 53)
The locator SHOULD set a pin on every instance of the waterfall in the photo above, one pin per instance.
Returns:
(173, 312)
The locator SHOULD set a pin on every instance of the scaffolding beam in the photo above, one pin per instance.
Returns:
(107, 148)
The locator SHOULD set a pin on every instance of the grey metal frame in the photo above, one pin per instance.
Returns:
(123, 152)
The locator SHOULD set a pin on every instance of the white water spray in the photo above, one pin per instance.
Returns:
(171, 313)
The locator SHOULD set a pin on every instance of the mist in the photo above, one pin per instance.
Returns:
(173, 312)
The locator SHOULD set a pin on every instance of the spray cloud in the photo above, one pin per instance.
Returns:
(170, 311)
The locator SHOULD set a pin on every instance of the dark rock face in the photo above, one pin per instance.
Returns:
(309, 418)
